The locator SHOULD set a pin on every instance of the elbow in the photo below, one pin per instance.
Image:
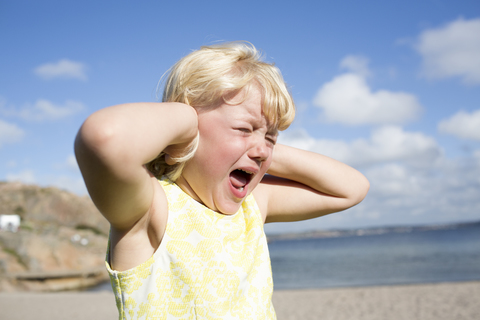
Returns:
(364, 189)
(95, 138)
(361, 190)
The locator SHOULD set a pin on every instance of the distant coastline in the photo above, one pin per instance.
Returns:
(334, 233)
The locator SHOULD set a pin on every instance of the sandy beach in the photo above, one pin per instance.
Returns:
(449, 301)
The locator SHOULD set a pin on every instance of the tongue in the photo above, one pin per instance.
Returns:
(238, 179)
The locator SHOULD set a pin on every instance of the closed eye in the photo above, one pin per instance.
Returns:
(245, 130)
(271, 139)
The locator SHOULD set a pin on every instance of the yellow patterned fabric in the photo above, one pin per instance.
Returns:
(208, 266)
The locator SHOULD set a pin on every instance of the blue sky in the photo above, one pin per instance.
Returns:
(389, 87)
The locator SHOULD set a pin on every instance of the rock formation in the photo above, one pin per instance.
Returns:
(61, 242)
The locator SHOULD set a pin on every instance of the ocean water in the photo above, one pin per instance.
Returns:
(418, 256)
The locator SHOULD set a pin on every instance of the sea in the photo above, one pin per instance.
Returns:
(374, 257)
(378, 257)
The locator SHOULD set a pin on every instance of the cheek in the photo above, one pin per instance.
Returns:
(213, 156)
(266, 164)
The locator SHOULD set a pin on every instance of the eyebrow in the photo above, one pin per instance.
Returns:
(272, 129)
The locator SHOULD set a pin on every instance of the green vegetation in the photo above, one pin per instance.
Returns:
(20, 211)
(15, 254)
(26, 226)
(92, 229)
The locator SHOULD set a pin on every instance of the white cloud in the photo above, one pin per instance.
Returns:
(356, 64)
(25, 176)
(11, 164)
(73, 184)
(477, 156)
(452, 51)
(386, 144)
(64, 69)
(43, 110)
(72, 163)
(348, 99)
(445, 192)
(10, 133)
(298, 138)
(462, 125)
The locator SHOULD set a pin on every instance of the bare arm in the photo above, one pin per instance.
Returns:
(306, 185)
(113, 145)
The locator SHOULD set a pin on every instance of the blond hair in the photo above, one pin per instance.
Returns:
(203, 78)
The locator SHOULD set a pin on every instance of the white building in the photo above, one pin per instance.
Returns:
(9, 222)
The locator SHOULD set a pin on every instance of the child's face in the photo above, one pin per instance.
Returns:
(235, 151)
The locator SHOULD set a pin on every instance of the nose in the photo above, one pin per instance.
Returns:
(259, 150)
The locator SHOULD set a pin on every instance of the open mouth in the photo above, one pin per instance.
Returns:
(240, 178)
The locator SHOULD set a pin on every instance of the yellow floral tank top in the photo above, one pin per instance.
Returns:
(208, 266)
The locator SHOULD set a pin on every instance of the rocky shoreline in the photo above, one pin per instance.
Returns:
(60, 244)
